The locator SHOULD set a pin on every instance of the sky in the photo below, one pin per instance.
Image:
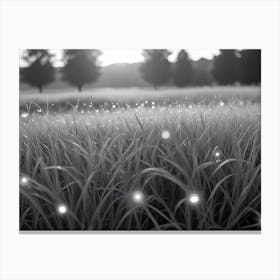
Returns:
(131, 56)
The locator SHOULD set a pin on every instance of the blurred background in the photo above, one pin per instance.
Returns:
(111, 79)
(64, 70)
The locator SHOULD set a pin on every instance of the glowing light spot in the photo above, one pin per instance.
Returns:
(153, 107)
(24, 115)
(114, 106)
(222, 103)
(146, 102)
(165, 134)
(153, 102)
(24, 181)
(217, 155)
(61, 209)
(138, 197)
(194, 198)
(190, 106)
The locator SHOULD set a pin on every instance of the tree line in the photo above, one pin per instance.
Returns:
(81, 67)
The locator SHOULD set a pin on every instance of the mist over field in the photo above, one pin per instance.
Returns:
(107, 97)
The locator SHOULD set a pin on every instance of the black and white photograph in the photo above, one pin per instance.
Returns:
(140, 139)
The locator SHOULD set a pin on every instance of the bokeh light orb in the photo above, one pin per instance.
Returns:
(24, 115)
(138, 197)
(218, 155)
(165, 134)
(194, 198)
(61, 209)
(24, 181)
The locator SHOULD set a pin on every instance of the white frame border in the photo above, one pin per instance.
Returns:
(208, 25)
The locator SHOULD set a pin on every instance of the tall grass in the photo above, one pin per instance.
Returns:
(93, 162)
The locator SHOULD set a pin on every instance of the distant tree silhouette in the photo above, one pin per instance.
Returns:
(81, 67)
(39, 70)
(202, 72)
(156, 69)
(226, 67)
(250, 64)
(183, 70)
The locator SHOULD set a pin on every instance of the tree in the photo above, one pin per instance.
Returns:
(156, 69)
(250, 64)
(226, 67)
(81, 67)
(183, 70)
(39, 70)
(202, 72)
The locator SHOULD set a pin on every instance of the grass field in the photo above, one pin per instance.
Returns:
(106, 98)
(188, 161)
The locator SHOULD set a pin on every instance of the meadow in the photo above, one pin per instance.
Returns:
(133, 159)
